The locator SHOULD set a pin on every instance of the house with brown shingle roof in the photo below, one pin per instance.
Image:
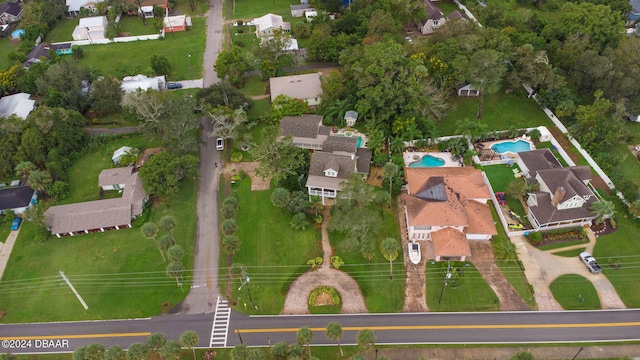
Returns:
(435, 18)
(306, 87)
(305, 130)
(100, 215)
(447, 206)
(563, 198)
(114, 179)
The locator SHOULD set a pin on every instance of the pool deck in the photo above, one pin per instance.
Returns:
(413, 156)
(352, 133)
(486, 153)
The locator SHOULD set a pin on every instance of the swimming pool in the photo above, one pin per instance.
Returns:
(511, 146)
(428, 161)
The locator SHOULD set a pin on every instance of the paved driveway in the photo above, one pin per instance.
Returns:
(542, 267)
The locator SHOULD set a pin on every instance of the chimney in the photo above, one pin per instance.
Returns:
(558, 196)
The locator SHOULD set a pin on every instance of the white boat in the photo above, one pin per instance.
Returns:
(414, 252)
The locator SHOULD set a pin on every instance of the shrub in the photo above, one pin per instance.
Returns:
(236, 156)
(335, 297)
(535, 238)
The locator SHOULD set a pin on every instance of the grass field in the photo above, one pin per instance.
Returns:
(561, 245)
(83, 176)
(119, 273)
(63, 31)
(254, 86)
(510, 269)
(574, 292)
(254, 9)
(500, 176)
(501, 111)
(132, 58)
(623, 249)
(132, 26)
(5, 49)
(380, 293)
(274, 253)
(466, 290)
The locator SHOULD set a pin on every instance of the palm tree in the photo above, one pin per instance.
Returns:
(165, 242)
(39, 180)
(231, 244)
(375, 139)
(507, 251)
(430, 131)
(390, 170)
(24, 169)
(466, 128)
(334, 332)
(155, 342)
(175, 270)
(168, 223)
(365, 339)
(602, 210)
(150, 231)
(389, 249)
(412, 132)
(397, 145)
(189, 339)
(304, 337)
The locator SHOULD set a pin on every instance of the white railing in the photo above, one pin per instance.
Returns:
(323, 193)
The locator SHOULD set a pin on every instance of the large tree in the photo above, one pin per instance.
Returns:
(223, 94)
(106, 95)
(484, 70)
(167, 117)
(602, 25)
(278, 157)
(270, 52)
(162, 174)
(389, 249)
(62, 85)
(233, 63)
(226, 122)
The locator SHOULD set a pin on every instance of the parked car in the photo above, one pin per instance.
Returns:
(15, 224)
(220, 144)
(174, 85)
(502, 198)
(590, 262)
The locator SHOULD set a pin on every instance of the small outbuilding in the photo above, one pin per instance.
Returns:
(175, 23)
(18, 104)
(90, 28)
(118, 154)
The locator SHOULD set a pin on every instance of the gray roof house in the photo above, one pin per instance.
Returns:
(338, 159)
(435, 18)
(10, 12)
(99, 215)
(306, 87)
(634, 14)
(17, 198)
(298, 10)
(563, 198)
(306, 130)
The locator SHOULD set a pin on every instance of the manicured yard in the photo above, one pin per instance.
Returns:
(380, 293)
(273, 252)
(254, 9)
(565, 244)
(622, 249)
(570, 253)
(500, 176)
(5, 227)
(254, 86)
(63, 31)
(132, 26)
(122, 59)
(83, 176)
(5, 49)
(629, 166)
(243, 36)
(574, 292)
(120, 274)
(466, 289)
(510, 268)
(501, 111)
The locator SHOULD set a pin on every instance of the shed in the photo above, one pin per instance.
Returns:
(17, 104)
(118, 154)
(351, 117)
(90, 28)
(175, 23)
(298, 10)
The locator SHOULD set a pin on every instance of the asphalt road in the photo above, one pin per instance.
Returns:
(435, 328)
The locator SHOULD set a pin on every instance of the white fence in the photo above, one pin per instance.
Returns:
(115, 40)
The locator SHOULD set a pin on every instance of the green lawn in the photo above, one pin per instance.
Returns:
(622, 248)
(447, 7)
(256, 8)
(83, 176)
(5, 49)
(63, 31)
(574, 292)
(500, 176)
(254, 86)
(561, 245)
(274, 253)
(501, 111)
(131, 58)
(629, 166)
(132, 25)
(246, 39)
(5, 227)
(510, 269)
(113, 120)
(119, 273)
(466, 289)
(260, 109)
(381, 294)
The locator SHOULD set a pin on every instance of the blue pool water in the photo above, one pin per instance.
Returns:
(511, 146)
(359, 142)
(17, 33)
(428, 161)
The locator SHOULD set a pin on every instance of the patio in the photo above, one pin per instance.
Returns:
(449, 159)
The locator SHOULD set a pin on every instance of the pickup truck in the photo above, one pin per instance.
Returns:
(590, 262)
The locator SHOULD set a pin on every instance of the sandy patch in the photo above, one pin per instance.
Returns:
(257, 182)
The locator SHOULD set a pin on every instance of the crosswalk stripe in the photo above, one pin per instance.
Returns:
(220, 326)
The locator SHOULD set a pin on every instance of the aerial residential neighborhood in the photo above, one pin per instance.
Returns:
(174, 168)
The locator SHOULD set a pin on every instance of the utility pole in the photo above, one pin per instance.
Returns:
(245, 281)
(446, 278)
(66, 279)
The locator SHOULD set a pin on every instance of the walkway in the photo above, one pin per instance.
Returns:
(542, 268)
(5, 250)
(298, 294)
